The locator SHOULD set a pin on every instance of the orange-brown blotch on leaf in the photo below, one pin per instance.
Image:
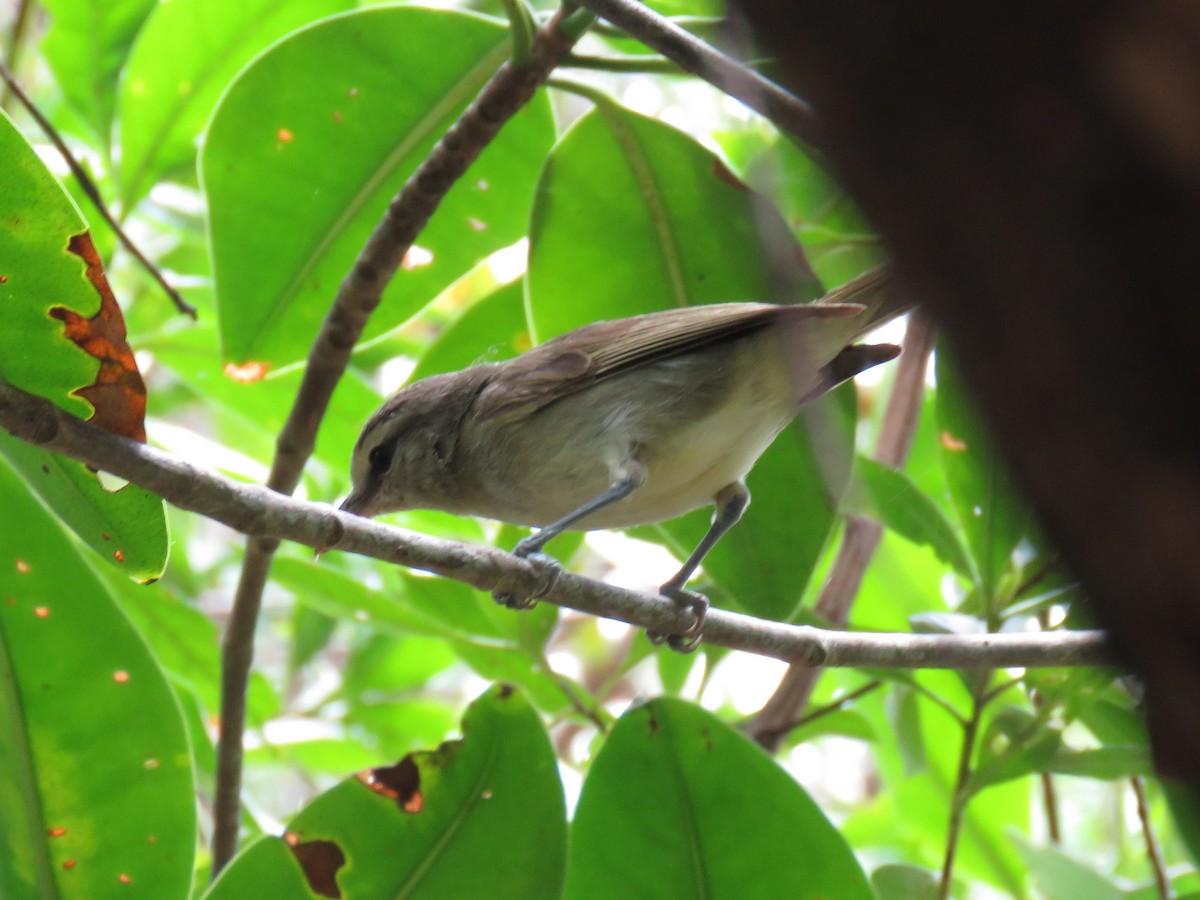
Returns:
(118, 395)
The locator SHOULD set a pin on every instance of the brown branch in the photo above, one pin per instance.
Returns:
(1153, 851)
(786, 111)
(93, 193)
(358, 295)
(263, 513)
(771, 724)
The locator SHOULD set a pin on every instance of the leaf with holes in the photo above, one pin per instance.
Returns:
(482, 816)
(64, 339)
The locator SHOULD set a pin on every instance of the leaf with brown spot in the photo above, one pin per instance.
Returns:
(53, 283)
(118, 395)
(320, 861)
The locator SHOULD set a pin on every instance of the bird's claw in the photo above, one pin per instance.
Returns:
(548, 570)
(686, 641)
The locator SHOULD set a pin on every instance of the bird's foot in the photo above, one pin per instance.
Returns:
(548, 569)
(686, 641)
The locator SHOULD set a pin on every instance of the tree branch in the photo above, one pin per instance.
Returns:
(785, 110)
(359, 293)
(261, 512)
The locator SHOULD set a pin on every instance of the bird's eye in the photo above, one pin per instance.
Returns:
(380, 458)
(439, 450)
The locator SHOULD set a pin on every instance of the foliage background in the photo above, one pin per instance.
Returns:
(253, 180)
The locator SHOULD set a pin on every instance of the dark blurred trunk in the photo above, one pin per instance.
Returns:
(1035, 169)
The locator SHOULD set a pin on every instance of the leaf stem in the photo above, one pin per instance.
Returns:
(960, 798)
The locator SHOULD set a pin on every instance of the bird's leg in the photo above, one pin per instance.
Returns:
(731, 502)
(630, 476)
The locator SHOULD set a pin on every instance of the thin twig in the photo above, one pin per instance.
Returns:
(861, 537)
(786, 111)
(831, 707)
(1153, 851)
(13, 50)
(958, 802)
(93, 193)
(359, 293)
(263, 513)
(1050, 805)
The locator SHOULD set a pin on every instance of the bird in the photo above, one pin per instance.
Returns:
(620, 423)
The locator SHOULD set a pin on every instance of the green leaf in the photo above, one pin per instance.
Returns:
(633, 216)
(97, 784)
(492, 329)
(185, 56)
(482, 816)
(86, 47)
(901, 882)
(1015, 744)
(677, 804)
(1058, 875)
(126, 527)
(300, 162)
(838, 240)
(992, 515)
(1184, 802)
(890, 498)
(1105, 763)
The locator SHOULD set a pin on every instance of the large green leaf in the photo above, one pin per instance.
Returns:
(37, 273)
(97, 795)
(185, 56)
(633, 216)
(300, 161)
(677, 804)
(86, 47)
(479, 817)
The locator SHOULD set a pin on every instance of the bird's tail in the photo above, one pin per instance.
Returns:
(876, 290)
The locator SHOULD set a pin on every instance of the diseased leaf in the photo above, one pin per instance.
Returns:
(64, 339)
(478, 817)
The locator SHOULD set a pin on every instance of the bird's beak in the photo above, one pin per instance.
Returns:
(358, 503)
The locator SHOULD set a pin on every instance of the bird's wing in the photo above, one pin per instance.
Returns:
(581, 358)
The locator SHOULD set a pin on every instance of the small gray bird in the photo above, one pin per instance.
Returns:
(619, 423)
